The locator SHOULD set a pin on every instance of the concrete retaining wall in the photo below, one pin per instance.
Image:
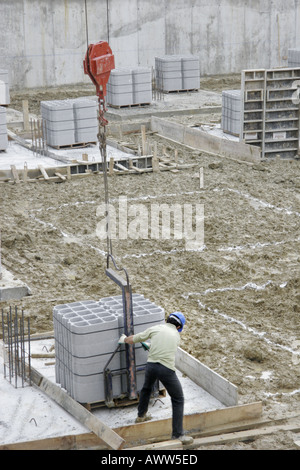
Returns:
(43, 43)
(206, 142)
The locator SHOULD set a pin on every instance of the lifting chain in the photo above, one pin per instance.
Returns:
(102, 123)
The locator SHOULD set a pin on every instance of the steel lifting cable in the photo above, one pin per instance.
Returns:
(98, 63)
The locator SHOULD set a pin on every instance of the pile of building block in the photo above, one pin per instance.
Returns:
(3, 129)
(68, 122)
(4, 88)
(86, 335)
(293, 58)
(129, 86)
(231, 111)
(177, 73)
(4, 101)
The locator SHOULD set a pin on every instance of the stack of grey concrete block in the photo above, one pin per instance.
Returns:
(86, 335)
(142, 85)
(70, 121)
(190, 72)
(3, 129)
(85, 120)
(293, 58)
(231, 111)
(176, 72)
(129, 86)
(4, 87)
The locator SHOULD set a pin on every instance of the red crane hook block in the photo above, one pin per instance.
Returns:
(98, 63)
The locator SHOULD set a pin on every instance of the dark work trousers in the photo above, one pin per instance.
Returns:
(169, 379)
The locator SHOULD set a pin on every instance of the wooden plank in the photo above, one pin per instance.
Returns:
(110, 437)
(245, 435)
(122, 167)
(25, 115)
(143, 131)
(43, 171)
(173, 444)
(60, 176)
(15, 173)
(206, 378)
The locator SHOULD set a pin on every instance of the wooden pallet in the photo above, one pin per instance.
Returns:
(77, 145)
(119, 402)
(191, 90)
(137, 105)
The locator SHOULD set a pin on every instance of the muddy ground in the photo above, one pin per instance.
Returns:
(240, 293)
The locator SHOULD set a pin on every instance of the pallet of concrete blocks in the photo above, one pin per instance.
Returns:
(59, 126)
(3, 129)
(168, 73)
(85, 120)
(4, 87)
(120, 87)
(145, 315)
(293, 58)
(231, 112)
(190, 72)
(86, 335)
(177, 73)
(142, 85)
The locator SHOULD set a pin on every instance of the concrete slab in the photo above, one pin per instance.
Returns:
(11, 288)
(27, 414)
(194, 102)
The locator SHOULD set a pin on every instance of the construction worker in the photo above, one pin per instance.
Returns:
(165, 339)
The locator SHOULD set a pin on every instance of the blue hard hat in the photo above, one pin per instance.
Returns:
(179, 316)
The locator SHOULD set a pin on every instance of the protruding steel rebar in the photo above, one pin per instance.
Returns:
(14, 340)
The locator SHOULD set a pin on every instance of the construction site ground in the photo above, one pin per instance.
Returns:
(240, 293)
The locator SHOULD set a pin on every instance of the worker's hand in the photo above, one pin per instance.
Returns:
(122, 339)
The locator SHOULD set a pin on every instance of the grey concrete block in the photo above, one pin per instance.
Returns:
(231, 111)
(60, 138)
(57, 110)
(86, 135)
(86, 334)
(3, 129)
(4, 87)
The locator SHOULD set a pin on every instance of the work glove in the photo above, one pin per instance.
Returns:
(146, 346)
(122, 339)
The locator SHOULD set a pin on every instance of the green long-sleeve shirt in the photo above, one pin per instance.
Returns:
(165, 340)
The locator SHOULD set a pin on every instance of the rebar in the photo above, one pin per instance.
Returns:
(16, 345)
(38, 136)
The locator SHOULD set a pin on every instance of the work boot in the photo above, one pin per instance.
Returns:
(142, 419)
(185, 440)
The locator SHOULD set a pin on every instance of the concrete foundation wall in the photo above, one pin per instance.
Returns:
(43, 43)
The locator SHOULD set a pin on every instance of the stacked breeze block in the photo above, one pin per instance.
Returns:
(86, 121)
(4, 87)
(128, 86)
(120, 87)
(86, 335)
(142, 85)
(68, 122)
(3, 129)
(231, 111)
(175, 73)
(293, 58)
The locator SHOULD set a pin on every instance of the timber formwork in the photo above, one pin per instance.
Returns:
(103, 437)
